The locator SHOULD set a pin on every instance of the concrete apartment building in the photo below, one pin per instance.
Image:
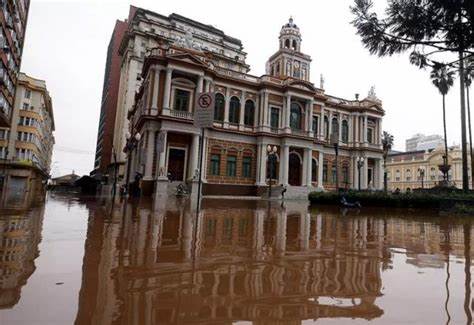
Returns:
(26, 147)
(423, 142)
(13, 18)
(104, 160)
(168, 60)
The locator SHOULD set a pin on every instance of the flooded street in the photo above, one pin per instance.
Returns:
(81, 261)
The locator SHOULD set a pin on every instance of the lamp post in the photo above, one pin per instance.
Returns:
(335, 143)
(422, 176)
(132, 143)
(271, 151)
(360, 163)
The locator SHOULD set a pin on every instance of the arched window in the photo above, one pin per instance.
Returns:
(326, 127)
(249, 116)
(287, 43)
(335, 126)
(219, 108)
(277, 72)
(345, 131)
(295, 116)
(234, 110)
(294, 44)
(345, 175)
(314, 170)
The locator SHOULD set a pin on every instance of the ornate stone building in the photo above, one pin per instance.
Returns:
(416, 169)
(283, 108)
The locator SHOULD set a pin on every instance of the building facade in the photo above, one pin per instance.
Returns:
(417, 169)
(13, 18)
(282, 108)
(105, 133)
(26, 147)
(423, 142)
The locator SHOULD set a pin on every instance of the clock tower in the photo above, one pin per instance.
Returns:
(288, 61)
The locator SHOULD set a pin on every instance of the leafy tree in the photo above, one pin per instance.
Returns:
(433, 30)
(443, 79)
(387, 143)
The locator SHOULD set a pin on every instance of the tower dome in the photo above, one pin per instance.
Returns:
(290, 36)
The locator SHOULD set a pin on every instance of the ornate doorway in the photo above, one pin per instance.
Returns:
(294, 170)
(176, 164)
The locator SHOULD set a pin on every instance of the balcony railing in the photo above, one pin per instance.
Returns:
(301, 133)
(178, 114)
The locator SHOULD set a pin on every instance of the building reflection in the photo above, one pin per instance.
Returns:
(20, 235)
(164, 263)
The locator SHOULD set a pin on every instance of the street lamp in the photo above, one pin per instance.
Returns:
(335, 143)
(132, 143)
(360, 163)
(422, 176)
(271, 151)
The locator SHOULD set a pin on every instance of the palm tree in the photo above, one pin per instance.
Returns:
(387, 143)
(469, 74)
(443, 79)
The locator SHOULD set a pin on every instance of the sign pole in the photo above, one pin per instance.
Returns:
(201, 157)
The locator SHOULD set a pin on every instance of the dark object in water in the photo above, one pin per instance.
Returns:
(350, 204)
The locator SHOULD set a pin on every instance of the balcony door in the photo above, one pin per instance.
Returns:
(177, 164)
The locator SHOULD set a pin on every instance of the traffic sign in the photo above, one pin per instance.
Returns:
(204, 110)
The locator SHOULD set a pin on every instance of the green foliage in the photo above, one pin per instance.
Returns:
(417, 199)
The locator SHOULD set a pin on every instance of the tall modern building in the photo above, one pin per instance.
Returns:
(168, 60)
(13, 18)
(104, 155)
(423, 142)
(27, 146)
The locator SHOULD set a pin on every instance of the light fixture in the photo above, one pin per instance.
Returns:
(138, 136)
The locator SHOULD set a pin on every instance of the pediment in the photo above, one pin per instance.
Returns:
(187, 57)
(301, 85)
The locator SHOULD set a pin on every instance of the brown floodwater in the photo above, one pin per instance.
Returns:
(88, 262)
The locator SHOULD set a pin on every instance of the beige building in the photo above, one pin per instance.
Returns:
(169, 60)
(26, 147)
(405, 169)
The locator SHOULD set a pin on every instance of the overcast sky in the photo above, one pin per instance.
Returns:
(66, 45)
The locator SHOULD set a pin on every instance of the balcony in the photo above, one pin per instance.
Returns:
(185, 115)
(300, 133)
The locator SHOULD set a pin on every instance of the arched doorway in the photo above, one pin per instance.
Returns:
(294, 170)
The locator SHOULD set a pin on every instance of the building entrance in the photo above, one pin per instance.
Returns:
(294, 170)
(176, 164)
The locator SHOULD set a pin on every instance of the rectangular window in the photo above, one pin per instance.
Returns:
(334, 175)
(370, 132)
(247, 167)
(215, 164)
(231, 166)
(325, 173)
(25, 106)
(3, 134)
(3, 152)
(274, 118)
(181, 100)
(27, 93)
(315, 125)
(19, 135)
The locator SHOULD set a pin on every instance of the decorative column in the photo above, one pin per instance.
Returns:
(320, 170)
(355, 173)
(381, 174)
(242, 108)
(351, 130)
(257, 112)
(287, 113)
(330, 124)
(379, 131)
(365, 174)
(339, 119)
(321, 124)
(150, 150)
(194, 158)
(167, 93)
(310, 121)
(156, 90)
(262, 164)
(226, 107)
(265, 109)
(200, 84)
(284, 160)
(307, 165)
(365, 128)
(162, 172)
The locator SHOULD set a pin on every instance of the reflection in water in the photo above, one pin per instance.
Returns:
(20, 235)
(163, 263)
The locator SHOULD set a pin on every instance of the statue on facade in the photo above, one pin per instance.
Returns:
(372, 94)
